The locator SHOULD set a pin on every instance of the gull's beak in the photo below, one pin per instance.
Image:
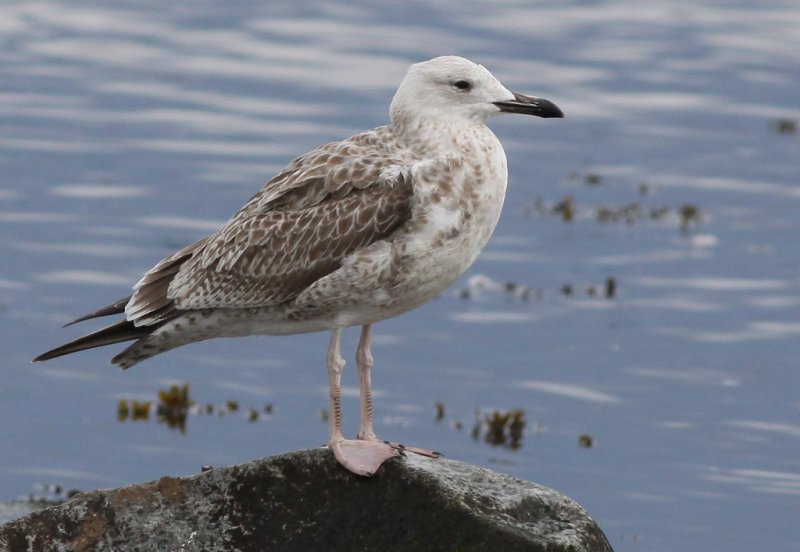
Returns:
(530, 105)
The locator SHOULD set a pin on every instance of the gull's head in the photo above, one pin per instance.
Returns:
(455, 88)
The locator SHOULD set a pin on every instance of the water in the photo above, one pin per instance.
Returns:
(130, 130)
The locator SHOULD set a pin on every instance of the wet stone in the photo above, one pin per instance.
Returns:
(299, 500)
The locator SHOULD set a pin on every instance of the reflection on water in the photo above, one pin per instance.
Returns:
(36, 217)
(713, 284)
(571, 391)
(98, 191)
(761, 481)
(107, 249)
(752, 331)
(131, 129)
(83, 277)
(785, 429)
(186, 223)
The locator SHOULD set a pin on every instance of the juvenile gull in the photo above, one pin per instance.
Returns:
(349, 234)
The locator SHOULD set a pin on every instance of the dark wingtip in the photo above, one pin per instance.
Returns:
(55, 353)
(117, 307)
(115, 333)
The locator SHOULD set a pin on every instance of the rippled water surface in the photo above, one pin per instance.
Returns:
(127, 131)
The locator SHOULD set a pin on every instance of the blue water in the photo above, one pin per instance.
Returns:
(127, 131)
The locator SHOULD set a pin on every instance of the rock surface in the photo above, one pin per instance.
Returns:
(305, 501)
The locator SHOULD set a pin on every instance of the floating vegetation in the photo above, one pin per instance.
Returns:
(784, 125)
(135, 410)
(658, 213)
(479, 284)
(635, 212)
(439, 411)
(174, 407)
(611, 288)
(585, 441)
(522, 292)
(690, 214)
(630, 213)
(590, 179)
(593, 179)
(174, 398)
(565, 208)
(123, 410)
(500, 428)
(323, 414)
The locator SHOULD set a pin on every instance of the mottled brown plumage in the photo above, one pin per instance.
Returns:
(351, 233)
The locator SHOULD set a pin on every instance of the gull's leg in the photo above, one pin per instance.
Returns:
(335, 367)
(360, 457)
(366, 429)
(364, 362)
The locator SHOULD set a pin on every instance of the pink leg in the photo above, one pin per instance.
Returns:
(364, 362)
(366, 430)
(359, 457)
(335, 367)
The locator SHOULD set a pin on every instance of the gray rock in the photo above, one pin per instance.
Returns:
(305, 501)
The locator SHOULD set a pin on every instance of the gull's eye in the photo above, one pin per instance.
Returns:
(463, 85)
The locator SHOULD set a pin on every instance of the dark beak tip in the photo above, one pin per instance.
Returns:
(530, 105)
(548, 110)
(554, 112)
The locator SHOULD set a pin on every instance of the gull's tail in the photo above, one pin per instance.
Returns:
(115, 333)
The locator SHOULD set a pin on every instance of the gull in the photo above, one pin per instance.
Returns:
(349, 234)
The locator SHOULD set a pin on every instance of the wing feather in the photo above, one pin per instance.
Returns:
(271, 257)
(149, 303)
(323, 206)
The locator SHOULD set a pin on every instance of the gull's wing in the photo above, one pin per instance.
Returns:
(325, 205)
